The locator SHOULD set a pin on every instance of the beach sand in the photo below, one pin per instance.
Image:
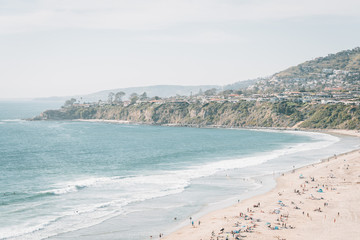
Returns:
(295, 209)
(102, 120)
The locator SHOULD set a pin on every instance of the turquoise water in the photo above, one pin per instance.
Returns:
(57, 177)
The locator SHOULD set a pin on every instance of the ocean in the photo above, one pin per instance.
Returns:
(95, 180)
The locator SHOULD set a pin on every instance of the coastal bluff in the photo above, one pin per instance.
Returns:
(285, 114)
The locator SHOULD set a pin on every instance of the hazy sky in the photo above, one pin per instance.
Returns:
(67, 47)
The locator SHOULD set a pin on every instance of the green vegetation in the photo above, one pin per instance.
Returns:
(70, 102)
(333, 116)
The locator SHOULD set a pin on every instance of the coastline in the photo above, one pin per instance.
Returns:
(335, 208)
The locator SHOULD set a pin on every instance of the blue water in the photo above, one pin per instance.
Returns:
(63, 176)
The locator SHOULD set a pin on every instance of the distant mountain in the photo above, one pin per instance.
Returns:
(151, 91)
(165, 91)
(53, 99)
(162, 91)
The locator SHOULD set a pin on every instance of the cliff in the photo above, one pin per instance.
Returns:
(227, 114)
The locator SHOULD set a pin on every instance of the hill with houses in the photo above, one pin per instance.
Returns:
(335, 72)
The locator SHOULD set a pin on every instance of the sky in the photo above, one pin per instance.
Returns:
(71, 47)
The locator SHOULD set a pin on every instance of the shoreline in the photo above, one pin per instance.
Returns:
(259, 221)
(347, 132)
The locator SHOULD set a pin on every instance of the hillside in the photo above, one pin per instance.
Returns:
(336, 71)
(348, 60)
(241, 84)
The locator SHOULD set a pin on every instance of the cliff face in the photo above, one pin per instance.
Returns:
(241, 114)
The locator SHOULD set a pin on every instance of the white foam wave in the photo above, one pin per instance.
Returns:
(74, 186)
(180, 179)
(13, 120)
(87, 215)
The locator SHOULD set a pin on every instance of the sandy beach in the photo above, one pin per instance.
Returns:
(102, 120)
(319, 201)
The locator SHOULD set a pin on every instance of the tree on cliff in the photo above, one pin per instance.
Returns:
(118, 97)
(143, 96)
(70, 102)
(133, 98)
(111, 97)
(210, 92)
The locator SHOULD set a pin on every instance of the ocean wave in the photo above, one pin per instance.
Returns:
(86, 215)
(9, 198)
(13, 120)
(26, 232)
(178, 180)
(75, 186)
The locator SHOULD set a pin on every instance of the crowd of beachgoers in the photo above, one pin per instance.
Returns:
(317, 201)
